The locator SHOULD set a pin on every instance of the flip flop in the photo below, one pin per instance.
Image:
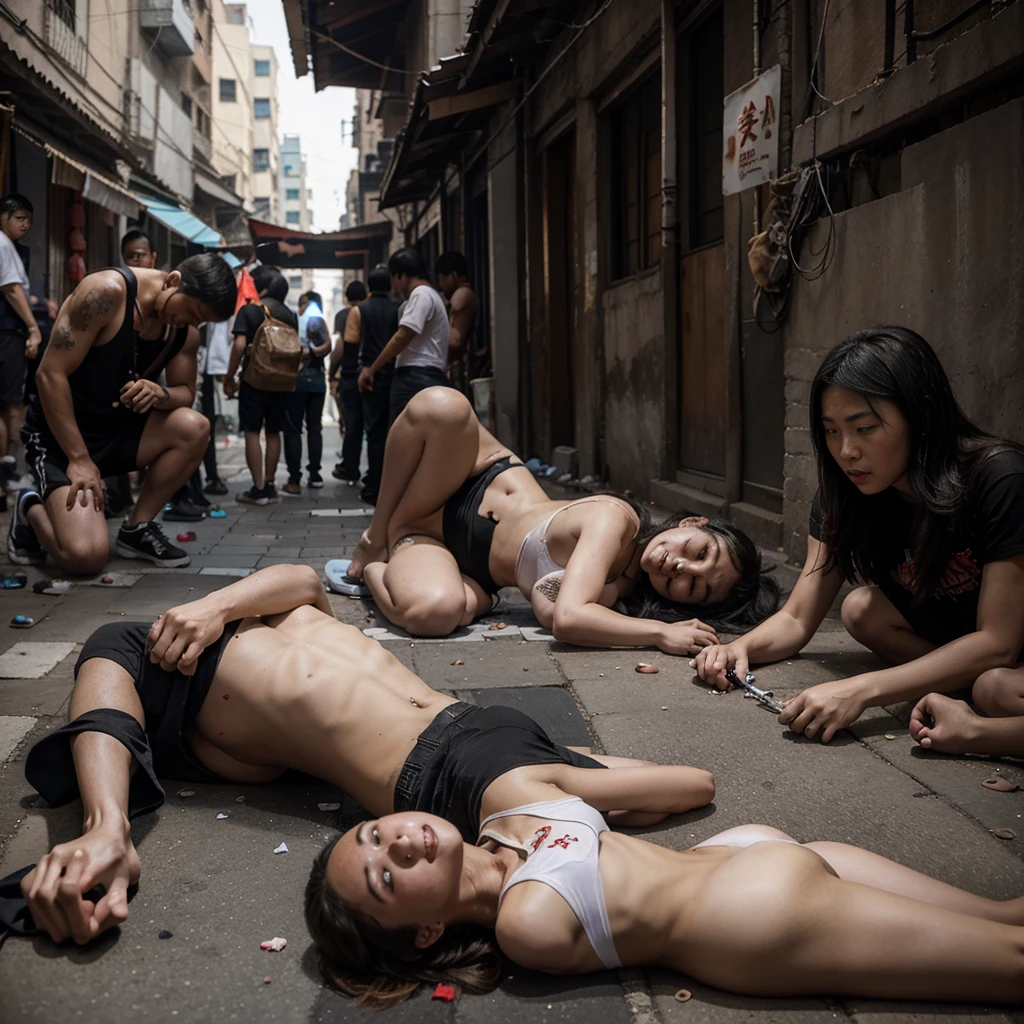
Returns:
(338, 580)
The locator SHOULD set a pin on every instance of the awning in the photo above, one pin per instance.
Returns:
(96, 187)
(211, 186)
(357, 248)
(180, 221)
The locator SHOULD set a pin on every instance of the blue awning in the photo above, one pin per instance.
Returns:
(181, 221)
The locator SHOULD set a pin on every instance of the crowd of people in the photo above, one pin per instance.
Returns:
(487, 837)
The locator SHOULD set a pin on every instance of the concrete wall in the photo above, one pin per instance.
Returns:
(945, 257)
(633, 365)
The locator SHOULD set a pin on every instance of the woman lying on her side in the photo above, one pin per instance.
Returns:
(402, 900)
(459, 516)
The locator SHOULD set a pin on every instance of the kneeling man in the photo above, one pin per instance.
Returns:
(260, 677)
(100, 411)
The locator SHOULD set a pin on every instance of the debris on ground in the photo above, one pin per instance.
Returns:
(221, 815)
(107, 579)
(458, 661)
(266, 979)
(274, 945)
(646, 668)
(283, 848)
(329, 807)
(22, 622)
(500, 625)
(664, 707)
(186, 792)
(239, 799)
(1000, 785)
(14, 582)
(53, 587)
(1004, 833)
(683, 995)
(445, 992)
(165, 934)
(890, 736)
(186, 537)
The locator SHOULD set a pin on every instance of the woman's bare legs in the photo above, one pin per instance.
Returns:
(431, 450)
(421, 589)
(807, 932)
(872, 620)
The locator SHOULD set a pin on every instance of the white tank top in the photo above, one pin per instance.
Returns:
(564, 854)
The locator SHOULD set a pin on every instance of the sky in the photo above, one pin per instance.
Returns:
(316, 116)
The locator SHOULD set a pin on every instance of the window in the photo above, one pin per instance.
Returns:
(227, 90)
(186, 103)
(291, 193)
(295, 281)
(64, 9)
(261, 68)
(291, 171)
(228, 181)
(261, 206)
(261, 159)
(291, 217)
(261, 107)
(636, 181)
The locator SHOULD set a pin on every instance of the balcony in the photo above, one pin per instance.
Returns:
(202, 145)
(171, 25)
(61, 36)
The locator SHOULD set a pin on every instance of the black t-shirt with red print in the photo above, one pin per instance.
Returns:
(991, 529)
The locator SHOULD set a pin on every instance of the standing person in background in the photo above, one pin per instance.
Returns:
(19, 332)
(258, 408)
(309, 396)
(371, 325)
(420, 345)
(137, 250)
(452, 272)
(214, 361)
(345, 367)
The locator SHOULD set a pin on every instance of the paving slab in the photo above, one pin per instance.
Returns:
(521, 665)
(13, 729)
(551, 707)
(29, 659)
(40, 697)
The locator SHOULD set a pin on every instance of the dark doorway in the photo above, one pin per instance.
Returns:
(558, 232)
(478, 256)
(428, 246)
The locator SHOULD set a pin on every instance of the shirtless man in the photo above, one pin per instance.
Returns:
(260, 677)
(101, 411)
(452, 272)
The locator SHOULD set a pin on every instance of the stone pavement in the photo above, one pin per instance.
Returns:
(217, 885)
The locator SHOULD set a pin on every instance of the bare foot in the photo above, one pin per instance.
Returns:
(941, 723)
(366, 552)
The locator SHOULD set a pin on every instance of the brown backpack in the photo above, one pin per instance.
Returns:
(274, 357)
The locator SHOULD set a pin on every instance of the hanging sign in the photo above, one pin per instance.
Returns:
(750, 133)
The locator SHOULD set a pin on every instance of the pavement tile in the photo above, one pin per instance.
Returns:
(521, 665)
(43, 696)
(525, 997)
(551, 707)
(33, 659)
(13, 729)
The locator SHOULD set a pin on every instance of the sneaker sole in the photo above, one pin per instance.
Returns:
(171, 563)
(288, 494)
(17, 559)
(254, 501)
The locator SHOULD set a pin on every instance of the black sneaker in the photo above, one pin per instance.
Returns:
(23, 547)
(215, 486)
(183, 512)
(316, 480)
(253, 496)
(340, 474)
(270, 493)
(150, 542)
(368, 496)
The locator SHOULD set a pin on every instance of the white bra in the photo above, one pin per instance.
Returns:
(564, 855)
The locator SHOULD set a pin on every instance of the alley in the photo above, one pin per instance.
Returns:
(216, 884)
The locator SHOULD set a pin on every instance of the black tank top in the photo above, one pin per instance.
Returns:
(379, 322)
(96, 384)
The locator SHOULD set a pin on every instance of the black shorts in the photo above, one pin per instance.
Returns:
(467, 534)
(12, 368)
(114, 454)
(170, 703)
(257, 408)
(463, 750)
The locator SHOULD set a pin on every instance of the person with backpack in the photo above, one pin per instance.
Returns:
(267, 338)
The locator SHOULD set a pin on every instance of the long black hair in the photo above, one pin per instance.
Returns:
(382, 968)
(946, 450)
(753, 598)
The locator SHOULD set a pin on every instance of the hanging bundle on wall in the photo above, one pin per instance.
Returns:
(798, 200)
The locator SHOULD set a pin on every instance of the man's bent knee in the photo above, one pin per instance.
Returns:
(859, 612)
(83, 559)
(999, 692)
(191, 426)
(437, 618)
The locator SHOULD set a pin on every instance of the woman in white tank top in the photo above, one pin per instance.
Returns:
(402, 900)
(458, 517)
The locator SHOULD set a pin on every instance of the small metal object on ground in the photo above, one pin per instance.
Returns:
(684, 995)
(763, 697)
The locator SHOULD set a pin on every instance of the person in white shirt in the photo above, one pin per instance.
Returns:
(420, 345)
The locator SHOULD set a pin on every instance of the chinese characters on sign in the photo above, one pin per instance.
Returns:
(750, 133)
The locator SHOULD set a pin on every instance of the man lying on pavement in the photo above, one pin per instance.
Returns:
(260, 677)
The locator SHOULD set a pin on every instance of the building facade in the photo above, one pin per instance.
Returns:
(575, 153)
(266, 154)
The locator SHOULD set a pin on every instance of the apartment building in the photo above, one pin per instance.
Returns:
(266, 153)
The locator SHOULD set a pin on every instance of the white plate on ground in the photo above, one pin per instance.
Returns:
(339, 582)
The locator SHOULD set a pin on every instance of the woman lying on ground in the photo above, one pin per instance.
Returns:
(402, 900)
(459, 516)
(928, 510)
